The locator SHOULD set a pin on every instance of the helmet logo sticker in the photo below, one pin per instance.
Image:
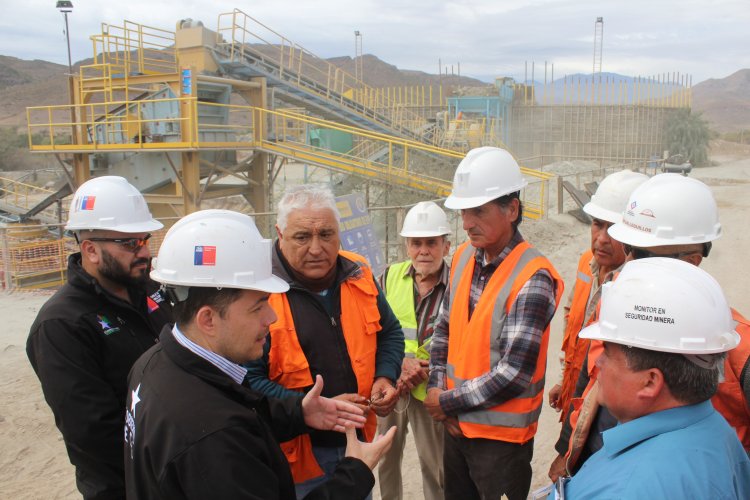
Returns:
(648, 213)
(87, 203)
(204, 256)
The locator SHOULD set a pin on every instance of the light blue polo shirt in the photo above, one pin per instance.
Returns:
(685, 452)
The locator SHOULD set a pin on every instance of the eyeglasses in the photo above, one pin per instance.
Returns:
(643, 253)
(130, 244)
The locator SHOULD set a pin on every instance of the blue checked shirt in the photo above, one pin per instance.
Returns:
(520, 339)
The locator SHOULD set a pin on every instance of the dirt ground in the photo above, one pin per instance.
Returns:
(33, 462)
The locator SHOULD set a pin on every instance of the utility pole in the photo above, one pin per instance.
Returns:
(598, 41)
(359, 70)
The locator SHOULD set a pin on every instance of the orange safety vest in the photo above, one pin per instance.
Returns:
(575, 349)
(288, 366)
(473, 343)
(730, 400)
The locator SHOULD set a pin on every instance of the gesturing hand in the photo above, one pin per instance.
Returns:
(369, 453)
(329, 414)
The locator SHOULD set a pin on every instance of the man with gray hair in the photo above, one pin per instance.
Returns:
(334, 321)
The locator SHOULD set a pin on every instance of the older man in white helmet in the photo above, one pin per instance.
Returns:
(489, 348)
(665, 327)
(414, 289)
(595, 266)
(88, 335)
(194, 429)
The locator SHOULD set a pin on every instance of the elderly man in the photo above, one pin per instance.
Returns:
(414, 289)
(194, 429)
(668, 216)
(665, 326)
(595, 266)
(334, 321)
(489, 348)
(87, 336)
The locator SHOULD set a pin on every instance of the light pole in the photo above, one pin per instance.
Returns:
(66, 6)
(358, 63)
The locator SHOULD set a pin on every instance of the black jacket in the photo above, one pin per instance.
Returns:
(193, 432)
(82, 345)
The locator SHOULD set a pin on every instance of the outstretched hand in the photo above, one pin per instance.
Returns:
(369, 453)
(327, 414)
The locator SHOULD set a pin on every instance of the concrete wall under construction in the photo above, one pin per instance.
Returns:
(608, 132)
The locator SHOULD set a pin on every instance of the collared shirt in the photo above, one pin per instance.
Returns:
(683, 452)
(520, 338)
(427, 307)
(233, 370)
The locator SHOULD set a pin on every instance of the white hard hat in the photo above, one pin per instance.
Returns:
(216, 248)
(611, 197)
(483, 175)
(668, 209)
(667, 305)
(110, 203)
(425, 219)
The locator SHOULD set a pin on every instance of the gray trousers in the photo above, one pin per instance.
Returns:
(428, 436)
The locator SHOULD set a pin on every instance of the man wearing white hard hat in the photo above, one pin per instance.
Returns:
(88, 335)
(668, 216)
(676, 216)
(414, 289)
(665, 327)
(489, 348)
(596, 265)
(194, 428)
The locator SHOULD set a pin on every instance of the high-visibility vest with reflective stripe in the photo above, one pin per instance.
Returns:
(730, 399)
(575, 349)
(473, 344)
(399, 292)
(288, 366)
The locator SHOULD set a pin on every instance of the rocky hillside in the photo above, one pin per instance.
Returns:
(40, 83)
(724, 102)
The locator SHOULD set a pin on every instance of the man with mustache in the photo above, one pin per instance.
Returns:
(333, 321)
(489, 347)
(87, 336)
(595, 266)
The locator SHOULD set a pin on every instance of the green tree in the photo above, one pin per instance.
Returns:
(688, 134)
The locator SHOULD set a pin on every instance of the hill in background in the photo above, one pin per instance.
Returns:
(23, 83)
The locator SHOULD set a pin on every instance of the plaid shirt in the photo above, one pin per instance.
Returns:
(520, 340)
(427, 307)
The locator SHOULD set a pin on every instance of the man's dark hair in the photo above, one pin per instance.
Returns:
(504, 201)
(219, 299)
(688, 382)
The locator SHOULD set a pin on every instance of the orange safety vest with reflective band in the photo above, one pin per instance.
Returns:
(288, 366)
(575, 349)
(730, 400)
(473, 343)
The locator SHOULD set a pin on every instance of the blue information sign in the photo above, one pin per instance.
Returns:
(357, 234)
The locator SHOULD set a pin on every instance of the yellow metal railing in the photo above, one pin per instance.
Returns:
(242, 37)
(135, 49)
(24, 196)
(387, 158)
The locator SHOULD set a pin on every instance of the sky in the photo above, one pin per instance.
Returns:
(704, 39)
